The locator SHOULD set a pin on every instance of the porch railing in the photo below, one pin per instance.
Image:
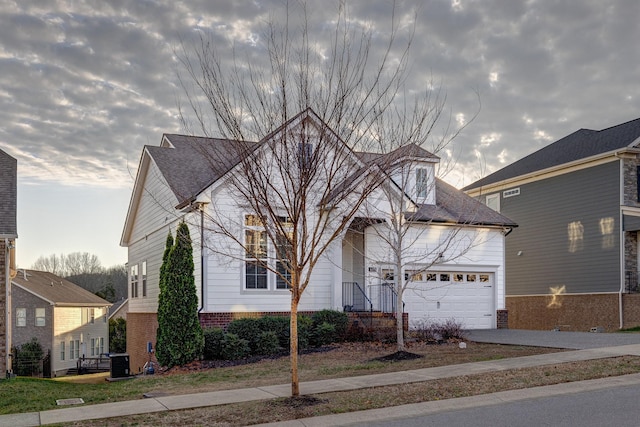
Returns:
(354, 297)
(381, 297)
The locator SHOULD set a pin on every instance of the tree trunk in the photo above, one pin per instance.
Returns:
(399, 318)
(293, 349)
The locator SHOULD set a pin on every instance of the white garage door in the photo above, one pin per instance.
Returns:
(466, 297)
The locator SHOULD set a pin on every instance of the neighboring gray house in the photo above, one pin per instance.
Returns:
(573, 261)
(8, 234)
(66, 319)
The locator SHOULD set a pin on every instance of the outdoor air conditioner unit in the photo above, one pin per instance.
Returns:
(119, 365)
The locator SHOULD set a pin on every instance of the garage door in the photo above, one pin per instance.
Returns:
(466, 297)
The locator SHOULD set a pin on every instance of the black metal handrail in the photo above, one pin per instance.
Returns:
(354, 298)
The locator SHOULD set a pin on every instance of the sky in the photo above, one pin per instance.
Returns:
(84, 85)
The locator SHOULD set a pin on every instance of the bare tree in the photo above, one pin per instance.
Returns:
(72, 264)
(53, 264)
(302, 181)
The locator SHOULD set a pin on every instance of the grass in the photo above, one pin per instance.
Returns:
(351, 359)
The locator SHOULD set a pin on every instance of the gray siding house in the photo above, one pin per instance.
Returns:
(573, 261)
(8, 234)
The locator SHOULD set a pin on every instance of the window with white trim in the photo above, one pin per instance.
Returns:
(493, 201)
(255, 240)
(40, 317)
(133, 278)
(284, 250)
(422, 182)
(92, 315)
(144, 278)
(94, 350)
(101, 346)
(21, 317)
(62, 350)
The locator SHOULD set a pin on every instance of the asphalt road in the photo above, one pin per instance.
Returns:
(613, 406)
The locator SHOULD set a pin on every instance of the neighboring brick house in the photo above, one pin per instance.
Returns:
(67, 320)
(187, 178)
(573, 261)
(8, 234)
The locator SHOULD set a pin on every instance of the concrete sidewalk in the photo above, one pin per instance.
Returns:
(167, 403)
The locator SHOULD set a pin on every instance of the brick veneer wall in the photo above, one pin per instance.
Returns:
(141, 329)
(566, 312)
(3, 310)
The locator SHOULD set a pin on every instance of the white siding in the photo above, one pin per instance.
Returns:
(154, 218)
(225, 269)
(469, 249)
(74, 323)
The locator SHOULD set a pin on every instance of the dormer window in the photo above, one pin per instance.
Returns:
(422, 183)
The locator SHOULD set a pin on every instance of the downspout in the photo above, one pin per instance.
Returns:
(621, 240)
(201, 209)
(10, 273)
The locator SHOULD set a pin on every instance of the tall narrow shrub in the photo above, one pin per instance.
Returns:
(180, 338)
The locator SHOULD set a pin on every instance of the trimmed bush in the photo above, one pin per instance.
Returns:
(213, 343)
(277, 324)
(234, 347)
(268, 343)
(324, 334)
(337, 319)
(248, 329)
(305, 329)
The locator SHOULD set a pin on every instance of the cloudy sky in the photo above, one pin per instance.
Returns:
(84, 85)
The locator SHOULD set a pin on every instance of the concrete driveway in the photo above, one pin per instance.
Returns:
(554, 339)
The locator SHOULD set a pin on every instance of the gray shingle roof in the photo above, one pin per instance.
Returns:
(8, 195)
(579, 145)
(195, 162)
(59, 291)
(454, 206)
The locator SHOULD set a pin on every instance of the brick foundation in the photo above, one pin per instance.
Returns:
(573, 312)
(141, 329)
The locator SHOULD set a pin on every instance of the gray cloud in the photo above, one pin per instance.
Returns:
(84, 85)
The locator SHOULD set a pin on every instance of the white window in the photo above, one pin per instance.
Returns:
(92, 315)
(21, 317)
(134, 281)
(94, 349)
(40, 317)
(305, 155)
(422, 183)
(493, 201)
(255, 238)
(74, 349)
(62, 350)
(101, 346)
(284, 251)
(144, 278)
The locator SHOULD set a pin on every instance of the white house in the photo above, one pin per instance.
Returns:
(67, 320)
(458, 243)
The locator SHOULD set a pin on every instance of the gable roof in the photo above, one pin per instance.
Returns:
(56, 290)
(454, 206)
(193, 163)
(190, 164)
(579, 145)
(8, 195)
